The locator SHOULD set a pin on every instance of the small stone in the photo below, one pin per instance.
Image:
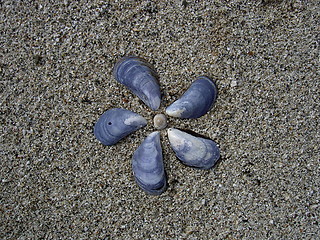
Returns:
(160, 121)
(233, 83)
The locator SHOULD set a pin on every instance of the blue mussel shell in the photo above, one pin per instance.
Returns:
(117, 123)
(193, 151)
(140, 77)
(147, 165)
(196, 101)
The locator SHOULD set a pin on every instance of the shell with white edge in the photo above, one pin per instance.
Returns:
(196, 101)
(117, 123)
(140, 77)
(193, 151)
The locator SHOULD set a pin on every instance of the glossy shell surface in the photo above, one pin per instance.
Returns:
(140, 77)
(147, 165)
(160, 121)
(193, 151)
(117, 123)
(196, 101)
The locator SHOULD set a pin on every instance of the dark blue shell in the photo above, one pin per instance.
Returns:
(193, 151)
(140, 77)
(117, 123)
(147, 165)
(196, 101)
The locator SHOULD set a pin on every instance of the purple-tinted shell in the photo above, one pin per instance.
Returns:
(193, 151)
(116, 124)
(147, 165)
(196, 101)
(140, 77)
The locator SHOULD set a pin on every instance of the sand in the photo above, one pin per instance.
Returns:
(58, 182)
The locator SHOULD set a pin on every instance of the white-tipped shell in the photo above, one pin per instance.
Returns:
(117, 123)
(140, 77)
(196, 101)
(193, 151)
(160, 121)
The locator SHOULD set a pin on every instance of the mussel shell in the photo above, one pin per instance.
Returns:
(148, 167)
(117, 123)
(140, 77)
(193, 151)
(196, 101)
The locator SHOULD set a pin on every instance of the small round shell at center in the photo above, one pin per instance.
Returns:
(160, 121)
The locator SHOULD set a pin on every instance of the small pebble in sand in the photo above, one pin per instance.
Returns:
(233, 83)
(160, 121)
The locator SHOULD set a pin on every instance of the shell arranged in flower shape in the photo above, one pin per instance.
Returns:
(140, 77)
(147, 161)
(147, 165)
(116, 124)
(196, 101)
(193, 151)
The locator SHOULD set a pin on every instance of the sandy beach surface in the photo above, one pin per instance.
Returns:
(56, 60)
